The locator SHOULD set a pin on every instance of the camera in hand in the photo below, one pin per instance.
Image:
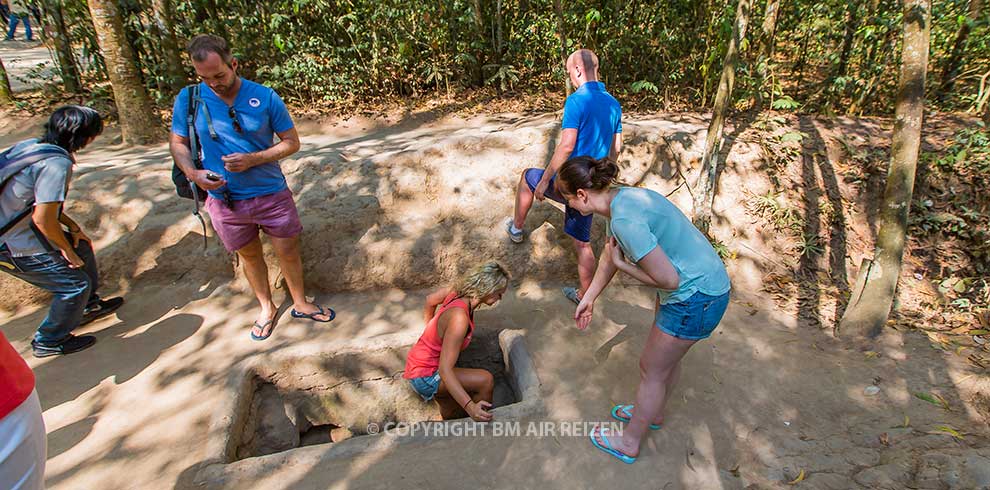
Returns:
(212, 176)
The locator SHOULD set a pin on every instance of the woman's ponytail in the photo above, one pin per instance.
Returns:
(587, 173)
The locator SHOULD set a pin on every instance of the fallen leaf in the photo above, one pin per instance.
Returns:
(735, 470)
(884, 439)
(981, 331)
(933, 399)
(948, 430)
(872, 354)
(797, 480)
(937, 337)
(978, 361)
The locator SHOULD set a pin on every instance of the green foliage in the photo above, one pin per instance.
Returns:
(641, 85)
(785, 103)
(322, 52)
(723, 250)
(502, 75)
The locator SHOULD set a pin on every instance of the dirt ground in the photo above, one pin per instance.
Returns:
(392, 207)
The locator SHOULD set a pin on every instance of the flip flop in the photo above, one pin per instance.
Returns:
(296, 314)
(608, 449)
(261, 326)
(622, 414)
(571, 293)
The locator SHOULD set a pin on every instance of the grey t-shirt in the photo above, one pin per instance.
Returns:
(44, 181)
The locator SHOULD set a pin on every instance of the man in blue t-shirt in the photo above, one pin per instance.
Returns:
(592, 126)
(236, 121)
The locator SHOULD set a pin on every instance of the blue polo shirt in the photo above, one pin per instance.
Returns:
(260, 112)
(596, 115)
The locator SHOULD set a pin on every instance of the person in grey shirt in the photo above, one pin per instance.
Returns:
(47, 248)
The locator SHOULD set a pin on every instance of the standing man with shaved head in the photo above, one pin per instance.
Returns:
(591, 127)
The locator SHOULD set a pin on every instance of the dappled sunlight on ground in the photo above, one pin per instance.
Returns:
(390, 210)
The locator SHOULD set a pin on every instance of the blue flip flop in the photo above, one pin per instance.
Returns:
(622, 414)
(608, 449)
(333, 314)
(262, 328)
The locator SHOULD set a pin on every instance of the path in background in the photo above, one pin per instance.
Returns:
(20, 58)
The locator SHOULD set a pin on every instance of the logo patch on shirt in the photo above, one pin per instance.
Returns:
(253, 102)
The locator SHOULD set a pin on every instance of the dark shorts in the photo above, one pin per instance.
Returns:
(275, 214)
(694, 318)
(575, 224)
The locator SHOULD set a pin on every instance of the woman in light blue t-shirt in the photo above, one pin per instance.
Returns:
(651, 240)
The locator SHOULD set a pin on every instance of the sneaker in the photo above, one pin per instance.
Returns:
(68, 346)
(103, 308)
(571, 294)
(515, 237)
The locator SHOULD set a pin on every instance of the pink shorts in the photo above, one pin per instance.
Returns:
(275, 214)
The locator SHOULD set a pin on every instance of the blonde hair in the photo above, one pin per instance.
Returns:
(483, 280)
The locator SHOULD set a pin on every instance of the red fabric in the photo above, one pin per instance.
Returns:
(16, 378)
(424, 357)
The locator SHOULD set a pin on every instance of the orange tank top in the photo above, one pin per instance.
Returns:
(424, 357)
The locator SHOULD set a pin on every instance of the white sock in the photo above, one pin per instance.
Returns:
(513, 229)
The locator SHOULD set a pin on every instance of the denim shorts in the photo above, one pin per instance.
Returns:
(694, 318)
(426, 386)
(576, 224)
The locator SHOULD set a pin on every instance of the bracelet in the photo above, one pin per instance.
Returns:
(466, 404)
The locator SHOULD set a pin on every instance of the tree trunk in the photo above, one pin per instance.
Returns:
(479, 27)
(950, 70)
(559, 11)
(221, 26)
(870, 307)
(63, 48)
(162, 14)
(134, 109)
(498, 31)
(842, 68)
(704, 194)
(6, 94)
(798, 66)
(765, 53)
(860, 99)
(852, 23)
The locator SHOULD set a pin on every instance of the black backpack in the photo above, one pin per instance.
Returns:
(183, 187)
(10, 166)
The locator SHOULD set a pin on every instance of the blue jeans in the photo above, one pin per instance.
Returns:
(14, 18)
(73, 290)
